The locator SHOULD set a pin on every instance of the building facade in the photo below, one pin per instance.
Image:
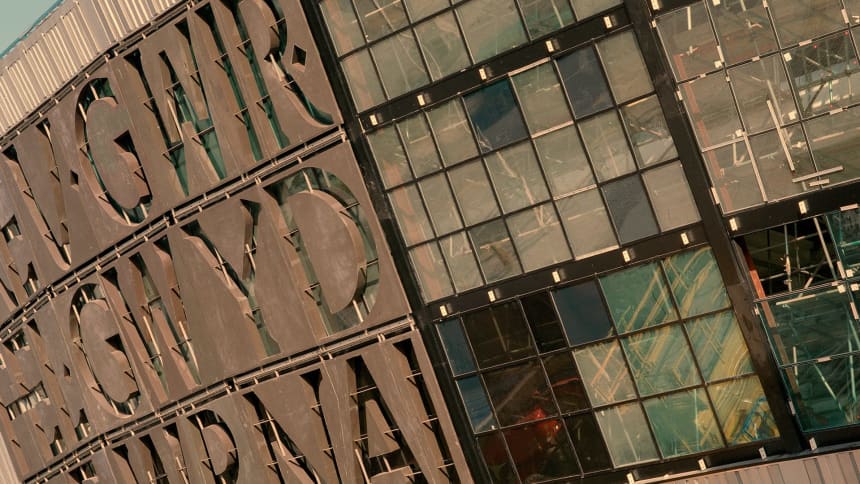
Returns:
(431, 241)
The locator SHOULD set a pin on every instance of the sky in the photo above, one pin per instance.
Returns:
(18, 16)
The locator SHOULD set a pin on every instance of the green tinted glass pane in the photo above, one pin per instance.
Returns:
(660, 360)
(410, 213)
(491, 27)
(719, 346)
(443, 46)
(825, 393)
(432, 276)
(587, 224)
(538, 237)
(587, 8)
(456, 347)
(626, 434)
(517, 177)
(389, 155)
(419, 9)
(670, 196)
(495, 252)
(545, 16)
(399, 64)
(453, 132)
(696, 282)
(564, 162)
(683, 423)
(520, 393)
(440, 204)
(541, 98)
(844, 227)
(607, 146)
(648, 131)
(743, 411)
(342, 24)
(473, 192)
(604, 373)
(583, 313)
(460, 257)
(362, 79)
(419, 144)
(477, 406)
(637, 298)
(380, 17)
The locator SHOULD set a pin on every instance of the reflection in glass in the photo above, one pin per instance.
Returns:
(734, 177)
(419, 145)
(541, 97)
(452, 132)
(495, 115)
(604, 373)
(763, 94)
(626, 434)
(538, 237)
(380, 17)
(565, 382)
(683, 423)
(491, 27)
(342, 24)
(496, 457)
(660, 360)
(583, 314)
(432, 276)
(628, 205)
(362, 79)
(498, 335)
(625, 67)
(648, 132)
(670, 196)
(824, 74)
(835, 142)
(719, 346)
(743, 27)
(399, 63)
(517, 177)
(564, 162)
(799, 20)
(541, 451)
(545, 16)
(587, 224)
(637, 298)
(782, 157)
(824, 393)
(456, 346)
(689, 41)
(607, 146)
(743, 411)
(473, 192)
(543, 321)
(495, 251)
(587, 442)
(411, 217)
(477, 406)
(844, 227)
(442, 44)
(583, 79)
(712, 110)
(461, 261)
(696, 282)
(520, 393)
(440, 204)
(389, 156)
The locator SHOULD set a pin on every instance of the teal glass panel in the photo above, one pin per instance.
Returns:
(743, 411)
(520, 393)
(696, 282)
(660, 360)
(491, 27)
(638, 298)
(496, 116)
(442, 44)
(719, 346)
(545, 16)
(583, 313)
(604, 373)
(456, 346)
(844, 227)
(825, 394)
(683, 423)
(476, 403)
(626, 434)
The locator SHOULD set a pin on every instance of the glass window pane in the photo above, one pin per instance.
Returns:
(744, 29)
(564, 162)
(565, 382)
(583, 313)
(461, 261)
(432, 276)
(399, 64)
(498, 335)
(442, 44)
(491, 27)
(588, 442)
(520, 393)
(538, 237)
(637, 298)
(712, 110)
(342, 24)
(545, 16)
(824, 394)
(824, 74)
(607, 146)
(453, 132)
(541, 97)
(477, 406)
(670, 196)
(843, 226)
(733, 176)
(362, 79)
(604, 373)
(456, 346)
(719, 346)
(587, 224)
(763, 94)
(495, 115)
(625, 68)
(409, 210)
(495, 251)
(419, 9)
(648, 132)
(389, 156)
(419, 144)
(743, 411)
(626, 434)
(495, 454)
(628, 205)
(473, 192)
(689, 41)
(683, 423)
(782, 157)
(587, 8)
(583, 79)
(517, 177)
(799, 20)
(440, 203)
(696, 282)
(380, 17)
(835, 142)
(543, 321)
(541, 451)
(660, 360)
